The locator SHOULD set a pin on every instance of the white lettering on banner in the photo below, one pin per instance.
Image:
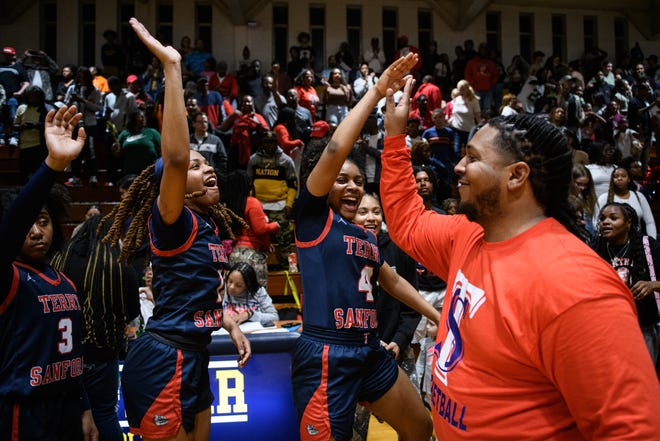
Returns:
(232, 406)
(231, 389)
(231, 384)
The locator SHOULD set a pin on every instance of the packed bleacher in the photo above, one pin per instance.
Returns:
(263, 128)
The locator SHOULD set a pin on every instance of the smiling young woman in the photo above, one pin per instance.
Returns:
(634, 257)
(338, 359)
(176, 201)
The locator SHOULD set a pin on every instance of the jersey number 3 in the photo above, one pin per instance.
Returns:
(364, 284)
(66, 344)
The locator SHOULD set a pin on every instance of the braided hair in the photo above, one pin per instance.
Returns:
(544, 149)
(108, 290)
(134, 210)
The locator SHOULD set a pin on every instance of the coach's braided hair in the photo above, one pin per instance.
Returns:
(544, 149)
(136, 207)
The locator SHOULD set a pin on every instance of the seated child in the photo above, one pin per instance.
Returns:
(245, 300)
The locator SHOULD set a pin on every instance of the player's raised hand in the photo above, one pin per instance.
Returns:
(394, 77)
(166, 54)
(58, 131)
(396, 115)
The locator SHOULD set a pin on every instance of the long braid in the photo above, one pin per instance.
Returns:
(136, 207)
(103, 284)
(227, 218)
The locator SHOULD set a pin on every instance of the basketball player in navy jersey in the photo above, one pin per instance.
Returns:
(338, 360)
(41, 364)
(165, 380)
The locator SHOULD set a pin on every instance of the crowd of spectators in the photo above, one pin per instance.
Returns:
(264, 129)
(595, 100)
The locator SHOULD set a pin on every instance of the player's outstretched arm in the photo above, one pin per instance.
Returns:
(175, 147)
(326, 170)
(399, 288)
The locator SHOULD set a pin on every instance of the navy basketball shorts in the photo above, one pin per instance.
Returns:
(164, 387)
(43, 418)
(328, 378)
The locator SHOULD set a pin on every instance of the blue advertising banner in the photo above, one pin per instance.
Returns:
(253, 403)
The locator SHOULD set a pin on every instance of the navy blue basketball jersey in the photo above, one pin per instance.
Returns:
(188, 276)
(40, 335)
(339, 265)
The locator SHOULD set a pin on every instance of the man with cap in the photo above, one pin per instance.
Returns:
(14, 79)
(135, 88)
(211, 102)
(274, 177)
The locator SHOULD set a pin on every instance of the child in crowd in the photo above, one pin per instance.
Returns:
(245, 300)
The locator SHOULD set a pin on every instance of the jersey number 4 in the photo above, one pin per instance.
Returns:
(364, 284)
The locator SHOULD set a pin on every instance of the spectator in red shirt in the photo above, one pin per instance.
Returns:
(247, 127)
(212, 103)
(224, 83)
(482, 74)
(432, 92)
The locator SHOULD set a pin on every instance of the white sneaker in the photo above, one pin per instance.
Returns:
(13, 141)
(73, 182)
